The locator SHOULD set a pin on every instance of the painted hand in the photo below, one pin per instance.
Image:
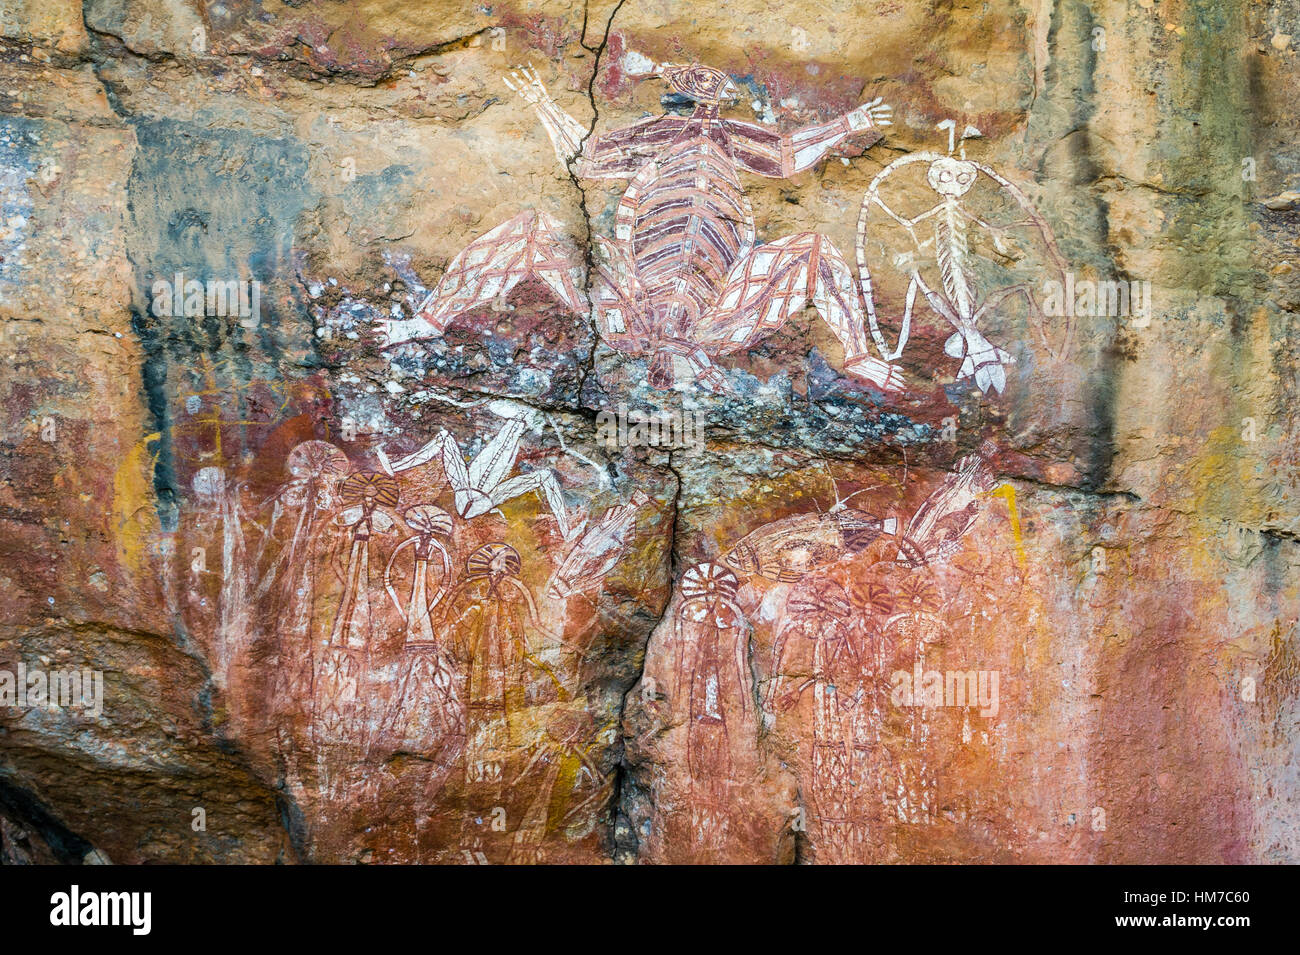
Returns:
(882, 374)
(524, 81)
(871, 115)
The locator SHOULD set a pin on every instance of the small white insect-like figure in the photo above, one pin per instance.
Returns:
(484, 485)
(594, 554)
(957, 297)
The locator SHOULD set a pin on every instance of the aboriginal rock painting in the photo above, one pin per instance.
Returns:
(713, 679)
(413, 622)
(416, 648)
(684, 282)
(950, 257)
(787, 659)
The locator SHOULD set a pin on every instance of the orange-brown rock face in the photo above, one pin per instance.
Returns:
(548, 433)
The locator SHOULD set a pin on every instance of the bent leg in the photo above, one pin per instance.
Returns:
(442, 446)
(546, 482)
(530, 244)
(497, 458)
(773, 282)
(616, 309)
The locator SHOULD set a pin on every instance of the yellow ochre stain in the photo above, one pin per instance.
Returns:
(1009, 492)
(133, 494)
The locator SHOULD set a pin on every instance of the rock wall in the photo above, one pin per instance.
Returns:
(649, 432)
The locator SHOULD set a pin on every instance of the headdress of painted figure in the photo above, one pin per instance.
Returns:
(693, 81)
(703, 84)
(496, 562)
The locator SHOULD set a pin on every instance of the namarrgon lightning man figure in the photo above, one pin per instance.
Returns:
(682, 281)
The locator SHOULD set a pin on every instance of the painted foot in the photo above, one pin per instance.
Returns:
(883, 375)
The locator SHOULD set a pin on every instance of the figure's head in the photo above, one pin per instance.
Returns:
(494, 561)
(370, 488)
(709, 580)
(701, 84)
(743, 559)
(821, 599)
(509, 410)
(952, 177)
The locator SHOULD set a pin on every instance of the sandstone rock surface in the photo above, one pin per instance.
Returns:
(378, 547)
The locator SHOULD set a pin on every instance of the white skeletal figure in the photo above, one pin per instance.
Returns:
(682, 281)
(958, 299)
(484, 485)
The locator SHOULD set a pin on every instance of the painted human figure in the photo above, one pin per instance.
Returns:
(682, 281)
(307, 501)
(220, 498)
(956, 295)
(916, 624)
(568, 786)
(818, 615)
(713, 676)
(485, 621)
(340, 697)
(426, 711)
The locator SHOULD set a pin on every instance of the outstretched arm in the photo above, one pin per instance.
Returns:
(616, 155)
(778, 155)
(442, 446)
(566, 132)
(790, 678)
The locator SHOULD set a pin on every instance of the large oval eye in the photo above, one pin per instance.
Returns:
(945, 176)
(965, 178)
